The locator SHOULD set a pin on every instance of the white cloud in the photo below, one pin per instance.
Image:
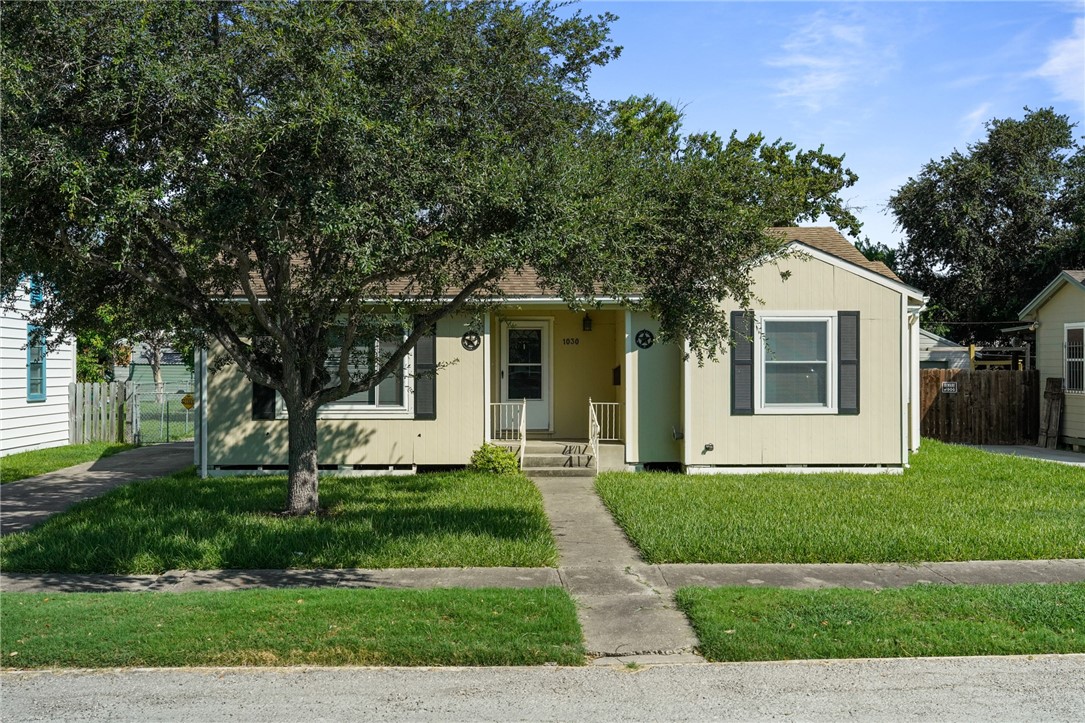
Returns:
(972, 122)
(827, 56)
(1065, 66)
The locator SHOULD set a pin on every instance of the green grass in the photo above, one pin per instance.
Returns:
(291, 627)
(925, 620)
(30, 464)
(955, 503)
(182, 522)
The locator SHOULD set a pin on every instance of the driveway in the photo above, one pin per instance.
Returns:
(1062, 456)
(27, 502)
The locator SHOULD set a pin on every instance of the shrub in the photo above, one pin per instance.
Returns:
(495, 458)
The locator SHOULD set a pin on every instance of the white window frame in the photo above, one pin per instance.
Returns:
(760, 356)
(1066, 355)
(360, 410)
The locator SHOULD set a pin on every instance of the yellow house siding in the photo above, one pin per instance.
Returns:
(234, 438)
(874, 436)
(1067, 305)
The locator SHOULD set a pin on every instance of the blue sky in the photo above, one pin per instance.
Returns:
(890, 84)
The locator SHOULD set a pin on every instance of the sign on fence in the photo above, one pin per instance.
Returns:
(984, 407)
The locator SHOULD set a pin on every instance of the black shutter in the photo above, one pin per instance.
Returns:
(425, 376)
(263, 402)
(847, 323)
(741, 362)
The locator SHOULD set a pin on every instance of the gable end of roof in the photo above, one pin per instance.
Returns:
(1074, 277)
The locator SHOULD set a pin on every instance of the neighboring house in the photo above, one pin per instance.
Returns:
(828, 380)
(175, 373)
(1058, 316)
(33, 384)
(937, 352)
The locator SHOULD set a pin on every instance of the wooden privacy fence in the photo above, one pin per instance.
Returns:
(980, 407)
(96, 412)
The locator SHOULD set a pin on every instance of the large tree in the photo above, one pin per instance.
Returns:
(987, 228)
(352, 171)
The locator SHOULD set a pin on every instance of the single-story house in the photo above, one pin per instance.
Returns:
(823, 376)
(1058, 316)
(175, 373)
(938, 352)
(33, 383)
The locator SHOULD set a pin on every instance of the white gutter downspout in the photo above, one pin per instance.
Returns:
(203, 413)
(913, 373)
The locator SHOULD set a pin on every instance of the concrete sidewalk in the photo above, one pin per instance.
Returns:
(26, 502)
(667, 577)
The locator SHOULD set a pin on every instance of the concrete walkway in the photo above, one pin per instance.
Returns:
(625, 607)
(24, 503)
(1062, 456)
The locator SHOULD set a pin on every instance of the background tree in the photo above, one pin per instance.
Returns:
(878, 252)
(320, 160)
(988, 228)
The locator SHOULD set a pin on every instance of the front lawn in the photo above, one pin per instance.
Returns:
(291, 627)
(954, 503)
(923, 620)
(456, 519)
(30, 464)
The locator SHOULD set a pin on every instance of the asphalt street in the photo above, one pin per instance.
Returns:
(1033, 688)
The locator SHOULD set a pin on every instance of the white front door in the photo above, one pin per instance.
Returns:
(525, 368)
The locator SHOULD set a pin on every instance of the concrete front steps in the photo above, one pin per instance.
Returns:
(570, 458)
(559, 458)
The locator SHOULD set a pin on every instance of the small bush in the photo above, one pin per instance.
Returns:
(495, 458)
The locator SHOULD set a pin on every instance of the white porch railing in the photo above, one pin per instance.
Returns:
(604, 423)
(609, 416)
(508, 423)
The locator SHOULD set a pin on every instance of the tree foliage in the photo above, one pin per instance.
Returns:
(988, 228)
(318, 161)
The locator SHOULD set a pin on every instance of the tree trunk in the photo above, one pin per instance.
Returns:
(156, 372)
(302, 496)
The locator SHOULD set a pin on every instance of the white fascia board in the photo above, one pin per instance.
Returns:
(511, 300)
(1041, 298)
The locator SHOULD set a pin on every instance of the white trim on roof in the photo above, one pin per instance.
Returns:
(1041, 298)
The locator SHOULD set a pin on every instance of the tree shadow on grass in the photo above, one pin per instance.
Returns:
(182, 522)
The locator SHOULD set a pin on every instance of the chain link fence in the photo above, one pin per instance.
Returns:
(160, 413)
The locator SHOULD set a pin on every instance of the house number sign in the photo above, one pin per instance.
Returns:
(470, 340)
(949, 387)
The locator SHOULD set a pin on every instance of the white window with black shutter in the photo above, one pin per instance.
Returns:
(390, 398)
(400, 395)
(798, 362)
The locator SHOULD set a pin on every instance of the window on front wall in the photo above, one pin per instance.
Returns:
(388, 398)
(796, 364)
(1074, 374)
